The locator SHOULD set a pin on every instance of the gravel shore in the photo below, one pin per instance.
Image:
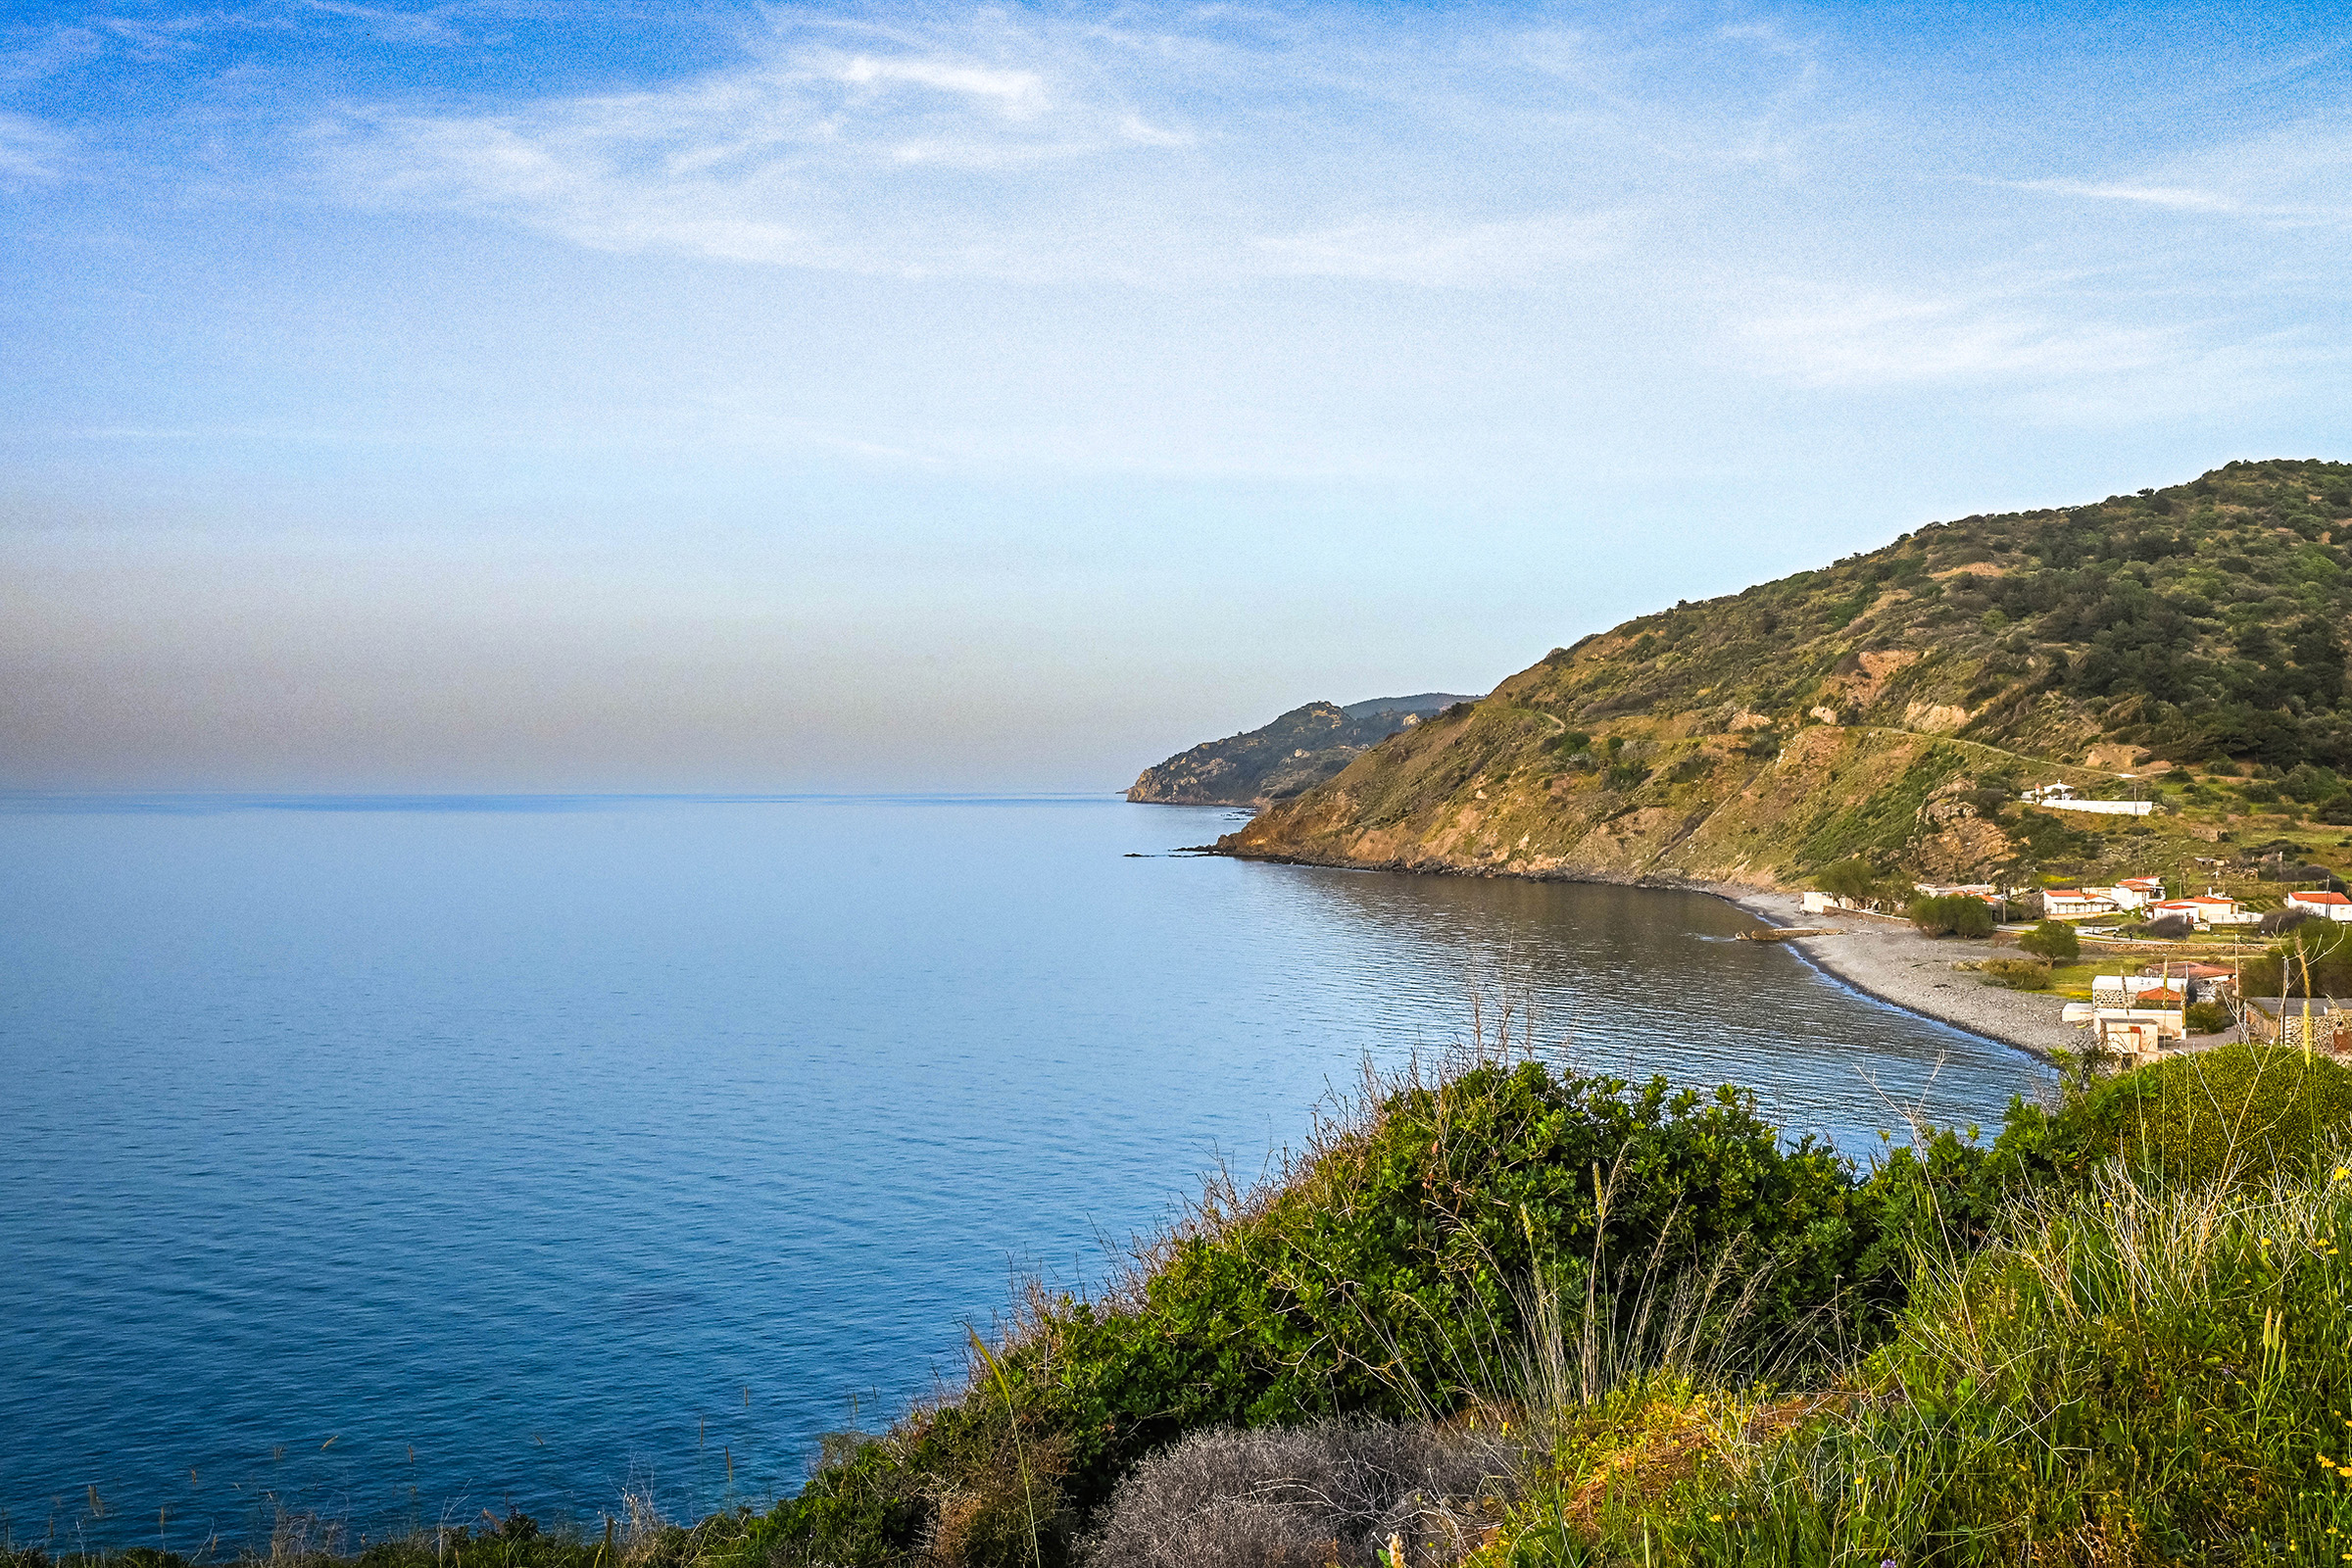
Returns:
(1895, 963)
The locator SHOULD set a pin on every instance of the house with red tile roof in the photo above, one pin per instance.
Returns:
(2327, 905)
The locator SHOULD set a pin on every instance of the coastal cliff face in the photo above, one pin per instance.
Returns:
(1891, 705)
(1286, 757)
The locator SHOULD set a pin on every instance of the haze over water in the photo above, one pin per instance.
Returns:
(557, 1142)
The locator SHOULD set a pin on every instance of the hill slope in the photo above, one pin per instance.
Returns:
(1890, 705)
(1297, 752)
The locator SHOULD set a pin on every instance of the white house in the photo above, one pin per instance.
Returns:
(2142, 990)
(1820, 903)
(2327, 905)
(2217, 909)
(2134, 1031)
(2134, 891)
(2072, 904)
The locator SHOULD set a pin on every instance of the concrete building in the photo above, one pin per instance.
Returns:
(2073, 904)
(2321, 1023)
(2327, 905)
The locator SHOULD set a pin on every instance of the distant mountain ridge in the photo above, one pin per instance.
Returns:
(1890, 705)
(1287, 757)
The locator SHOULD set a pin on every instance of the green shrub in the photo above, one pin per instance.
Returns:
(2018, 974)
(2249, 1109)
(1955, 914)
(2207, 1018)
(2054, 940)
(1382, 1275)
(2314, 961)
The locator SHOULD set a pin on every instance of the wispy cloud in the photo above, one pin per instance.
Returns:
(2174, 198)
(1826, 336)
(1005, 144)
(2289, 174)
(30, 149)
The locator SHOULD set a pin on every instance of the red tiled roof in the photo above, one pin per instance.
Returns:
(2319, 898)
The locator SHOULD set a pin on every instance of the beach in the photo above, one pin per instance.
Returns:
(1890, 960)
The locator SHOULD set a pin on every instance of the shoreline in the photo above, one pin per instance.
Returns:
(1893, 964)
(1887, 961)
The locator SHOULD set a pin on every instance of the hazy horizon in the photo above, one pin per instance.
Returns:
(497, 397)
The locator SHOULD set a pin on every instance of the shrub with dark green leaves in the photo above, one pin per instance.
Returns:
(2206, 1017)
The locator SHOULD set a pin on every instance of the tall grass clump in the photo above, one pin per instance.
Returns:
(2144, 1360)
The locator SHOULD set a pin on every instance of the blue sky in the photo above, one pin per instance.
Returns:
(523, 396)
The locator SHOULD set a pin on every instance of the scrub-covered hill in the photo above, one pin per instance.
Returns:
(1293, 754)
(2188, 642)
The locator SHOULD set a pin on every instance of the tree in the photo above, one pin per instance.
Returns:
(1956, 915)
(1849, 878)
(2053, 940)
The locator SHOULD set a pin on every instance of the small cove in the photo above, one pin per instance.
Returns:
(562, 1144)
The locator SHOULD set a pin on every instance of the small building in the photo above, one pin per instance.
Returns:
(2139, 1031)
(2204, 911)
(2327, 905)
(1820, 903)
(2134, 891)
(2321, 1023)
(2073, 903)
(2173, 989)
(2062, 798)
(2215, 909)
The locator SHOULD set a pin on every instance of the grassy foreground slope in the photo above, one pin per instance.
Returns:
(1892, 704)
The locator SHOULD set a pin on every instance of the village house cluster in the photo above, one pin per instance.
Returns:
(2139, 1014)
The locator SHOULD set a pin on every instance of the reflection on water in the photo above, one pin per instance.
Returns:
(398, 1159)
(1636, 981)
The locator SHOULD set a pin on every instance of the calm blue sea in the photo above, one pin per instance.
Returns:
(395, 1159)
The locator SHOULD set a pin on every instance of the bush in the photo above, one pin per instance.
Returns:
(2207, 1018)
(2054, 940)
(2255, 1108)
(2315, 960)
(2171, 928)
(1380, 1276)
(1955, 915)
(2018, 974)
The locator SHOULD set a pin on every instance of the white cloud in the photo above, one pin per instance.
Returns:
(2176, 198)
(1012, 146)
(30, 149)
(1831, 337)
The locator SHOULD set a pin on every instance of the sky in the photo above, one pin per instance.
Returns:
(523, 395)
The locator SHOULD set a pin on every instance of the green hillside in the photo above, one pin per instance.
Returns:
(2187, 643)
(1287, 757)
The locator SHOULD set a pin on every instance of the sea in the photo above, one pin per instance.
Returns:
(371, 1165)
